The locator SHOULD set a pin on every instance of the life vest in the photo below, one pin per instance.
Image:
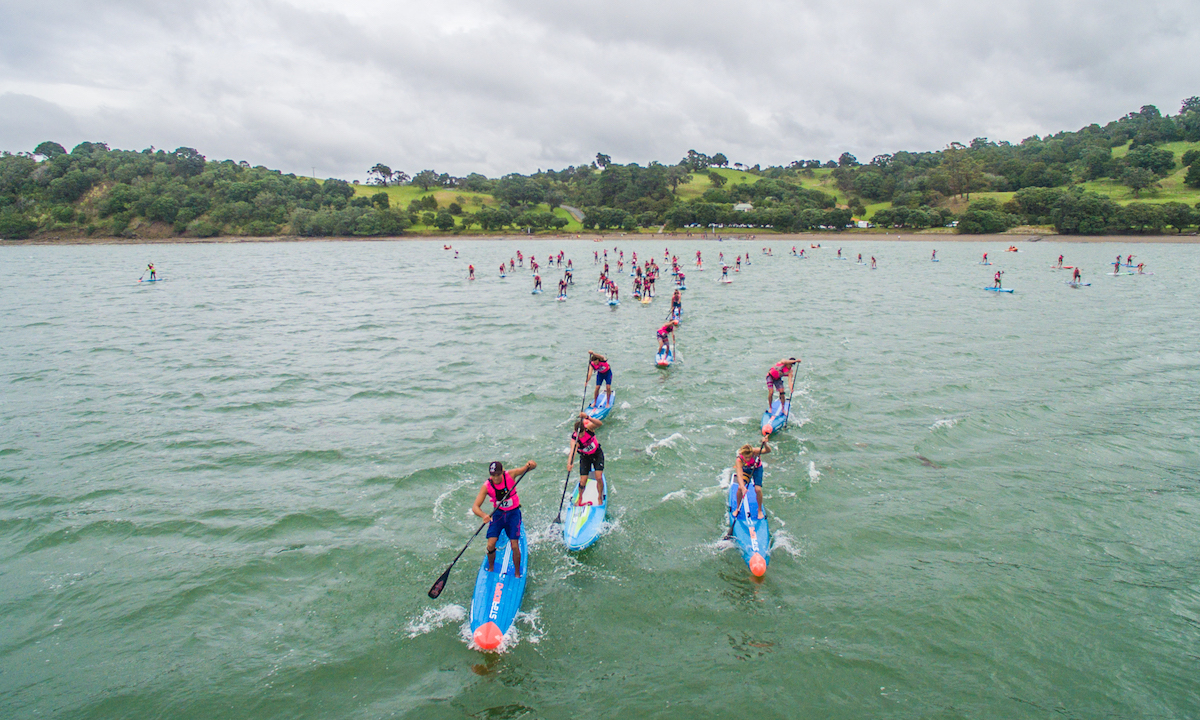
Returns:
(588, 445)
(778, 371)
(504, 497)
(754, 463)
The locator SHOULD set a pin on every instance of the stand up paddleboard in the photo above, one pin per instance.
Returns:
(498, 594)
(537, 291)
(985, 263)
(677, 314)
(561, 298)
(1124, 273)
(599, 408)
(665, 356)
(162, 279)
(614, 302)
(774, 419)
(646, 299)
(752, 535)
(996, 289)
(1075, 284)
(583, 524)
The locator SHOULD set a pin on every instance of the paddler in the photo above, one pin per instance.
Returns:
(676, 302)
(748, 470)
(724, 272)
(562, 288)
(998, 274)
(1060, 259)
(537, 282)
(934, 255)
(775, 377)
(471, 270)
(501, 487)
(1141, 267)
(501, 269)
(1077, 278)
(872, 262)
(598, 364)
(591, 455)
(985, 260)
(665, 332)
(153, 274)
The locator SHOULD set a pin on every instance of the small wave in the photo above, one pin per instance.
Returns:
(625, 405)
(441, 499)
(433, 618)
(680, 494)
(725, 478)
(944, 423)
(667, 442)
(783, 541)
(375, 395)
(814, 475)
(741, 420)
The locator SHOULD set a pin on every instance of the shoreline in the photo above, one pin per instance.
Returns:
(822, 238)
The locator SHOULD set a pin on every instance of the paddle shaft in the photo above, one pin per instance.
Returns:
(567, 481)
(440, 583)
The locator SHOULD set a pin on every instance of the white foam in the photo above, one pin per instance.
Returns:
(944, 423)
(625, 405)
(725, 478)
(433, 618)
(441, 499)
(814, 475)
(680, 494)
(668, 442)
(783, 541)
(741, 420)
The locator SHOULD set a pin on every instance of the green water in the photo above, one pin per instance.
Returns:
(226, 495)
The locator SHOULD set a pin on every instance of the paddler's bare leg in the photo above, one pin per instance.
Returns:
(516, 553)
(758, 497)
(491, 554)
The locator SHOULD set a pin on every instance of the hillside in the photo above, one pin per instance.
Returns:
(1139, 173)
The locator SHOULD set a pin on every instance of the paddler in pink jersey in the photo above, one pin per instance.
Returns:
(591, 455)
(598, 364)
(501, 488)
(665, 332)
(775, 377)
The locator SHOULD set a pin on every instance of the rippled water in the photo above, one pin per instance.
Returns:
(226, 495)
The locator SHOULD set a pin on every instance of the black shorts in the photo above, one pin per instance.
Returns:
(588, 463)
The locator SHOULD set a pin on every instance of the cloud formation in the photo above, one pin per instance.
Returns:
(517, 85)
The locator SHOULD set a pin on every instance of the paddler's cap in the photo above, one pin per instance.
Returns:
(495, 468)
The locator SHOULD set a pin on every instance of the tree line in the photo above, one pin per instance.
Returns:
(95, 190)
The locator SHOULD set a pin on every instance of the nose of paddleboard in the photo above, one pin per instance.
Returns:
(758, 566)
(767, 429)
(488, 636)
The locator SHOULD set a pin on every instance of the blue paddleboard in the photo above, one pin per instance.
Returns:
(599, 408)
(752, 535)
(996, 289)
(498, 594)
(776, 416)
(666, 356)
(538, 291)
(582, 525)
(161, 279)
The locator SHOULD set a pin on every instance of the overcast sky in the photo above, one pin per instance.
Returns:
(518, 85)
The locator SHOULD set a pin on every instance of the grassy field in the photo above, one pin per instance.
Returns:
(400, 196)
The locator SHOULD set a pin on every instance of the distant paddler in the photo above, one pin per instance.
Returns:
(934, 257)
(500, 487)
(471, 270)
(997, 278)
(1117, 266)
(537, 283)
(748, 471)
(725, 272)
(562, 289)
(591, 455)
(598, 364)
(502, 270)
(1077, 277)
(1060, 259)
(775, 377)
(153, 273)
(667, 333)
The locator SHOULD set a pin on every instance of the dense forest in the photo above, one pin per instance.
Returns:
(1042, 181)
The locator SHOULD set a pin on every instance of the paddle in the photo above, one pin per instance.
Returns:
(440, 583)
(567, 481)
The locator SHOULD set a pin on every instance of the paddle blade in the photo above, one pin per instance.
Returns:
(439, 585)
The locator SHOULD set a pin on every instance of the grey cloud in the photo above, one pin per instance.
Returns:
(521, 84)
